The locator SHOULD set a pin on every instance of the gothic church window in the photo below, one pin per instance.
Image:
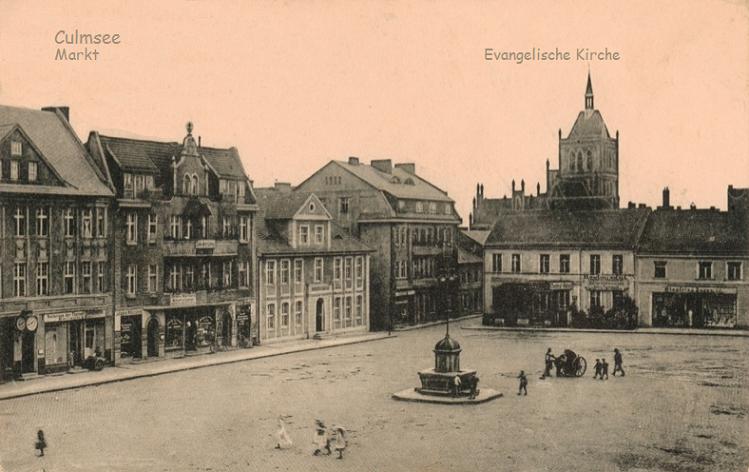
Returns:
(579, 161)
(589, 158)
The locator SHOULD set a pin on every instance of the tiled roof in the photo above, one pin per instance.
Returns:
(225, 161)
(670, 231)
(603, 228)
(420, 190)
(271, 241)
(465, 257)
(480, 236)
(277, 204)
(60, 146)
(589, 123)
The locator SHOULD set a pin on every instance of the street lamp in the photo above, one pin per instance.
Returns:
(446, 279)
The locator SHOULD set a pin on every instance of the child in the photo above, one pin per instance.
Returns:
(339, 441)
(321, 439)
(283, 441)
(523, 383)
(41, 444)
(597, 369)
(604, 369)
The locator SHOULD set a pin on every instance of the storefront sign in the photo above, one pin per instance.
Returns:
(205, 245)
(72, 316)
(560, 286)
(605, 282)
(697, 289)
(182, 299)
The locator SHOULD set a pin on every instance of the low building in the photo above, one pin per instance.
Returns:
(183, 247)
(55, 246)
(313, 277)
(542, 266)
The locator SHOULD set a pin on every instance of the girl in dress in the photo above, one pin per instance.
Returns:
(283, 441)
(41, 444)
(321, 439)
(339, 441)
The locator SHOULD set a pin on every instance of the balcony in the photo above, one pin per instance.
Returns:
(200, 247)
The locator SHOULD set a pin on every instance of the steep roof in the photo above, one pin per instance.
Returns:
(589, 124)
(694, 232)
(226, 162)
(419, 190)
(480, 236)
(465, 257)
(277, 204)
(620, 228)
(60, 146)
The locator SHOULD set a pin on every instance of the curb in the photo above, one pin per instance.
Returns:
(436, 323)
(628, 331)
(141, 375)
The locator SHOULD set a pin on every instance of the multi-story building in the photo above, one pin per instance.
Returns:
(184, 246)
(471, 271)
(691, 267)
(313, 277)
(55, 246)
(410, 223)
(542, 265)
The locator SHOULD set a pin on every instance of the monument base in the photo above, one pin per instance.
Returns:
(413, 395)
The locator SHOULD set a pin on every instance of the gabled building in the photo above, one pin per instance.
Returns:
(471, 271)
(313, 277)
(410, 223)
(55, 246)
(184, 246)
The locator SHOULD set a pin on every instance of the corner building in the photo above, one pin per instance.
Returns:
(184, 247)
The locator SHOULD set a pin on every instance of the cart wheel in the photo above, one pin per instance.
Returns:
(582, 364)
(98, 364)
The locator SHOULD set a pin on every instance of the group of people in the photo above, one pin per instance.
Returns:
(323, 439)
(602, 367)
(473, 385)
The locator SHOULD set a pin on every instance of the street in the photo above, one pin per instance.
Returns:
(681, 407)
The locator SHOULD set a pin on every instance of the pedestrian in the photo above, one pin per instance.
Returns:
(41, 443)
(549, 361)
(321, 439)
(456, 385)
(617, 363)
(604, 369)
(339, 441)
(523, 383)
(283, 441)
(474, 386)
(597, 369)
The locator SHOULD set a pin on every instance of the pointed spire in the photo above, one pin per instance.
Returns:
(589, 94)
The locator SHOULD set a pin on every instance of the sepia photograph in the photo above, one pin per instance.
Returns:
(374, 236)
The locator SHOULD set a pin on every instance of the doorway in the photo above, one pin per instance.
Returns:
(226, 330)
(153, 338)
(28, 345)
(320, 315)
(76, 343)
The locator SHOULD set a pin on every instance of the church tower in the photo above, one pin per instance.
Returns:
(588, 175)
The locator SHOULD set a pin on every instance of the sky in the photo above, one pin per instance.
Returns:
(295, 84)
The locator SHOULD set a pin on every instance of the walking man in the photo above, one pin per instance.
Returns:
(523, 383)
(604, 369)
(474, 386)
(617, 363)
(597, 369)
(549, 361)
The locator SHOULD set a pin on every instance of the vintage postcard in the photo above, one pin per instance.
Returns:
(374, 236)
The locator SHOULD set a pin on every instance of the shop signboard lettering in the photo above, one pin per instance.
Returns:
(560, 286)
(697, 289)
(72, 316)
(605, 281)
(181, 299)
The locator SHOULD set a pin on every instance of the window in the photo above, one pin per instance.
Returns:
(284, 272)
(226, 269)
(188, 228)
(432, 207)
(347, 272)
(86, 276)
(304, 235)
(298, 308)
(226, 227)
(595, 298)
(705, 270)
(16, 148)
(69, 278)
(194, 187)
(32, 171)
(564, 263)
(42, 222)
(128, 184)
(42, 279)
(617, 264)
(595, 264)
(337, 311)
(204, 227)
(205, 273)
(174, 227)
(543, 264)
(401, 269)
(153, 223)
(419, 207)
(516, 263)
(20, 220)
(448, 209)
(14, 165)
(100, 278)
(496, 262)
(243, 271)
(175, 278)
(19, 279)
(359, 270)
(285, 314)
(659, 269)
(348, 311)
(68, 217)
(186, 185)
(244, 229)
(87, 223)
(131, 279)
(343, 204)
(733, 270)
(337, 269)
(101, 222)
(298, 271)
(358, 320)
(271, 315)
(132, 228)
(319, 269)
(319, 234)
(153, 278)
(270, 272)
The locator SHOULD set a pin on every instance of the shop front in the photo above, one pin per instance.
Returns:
(535, 303)
(246, 325)
(70, 338)
(202, 329)
(686, 306)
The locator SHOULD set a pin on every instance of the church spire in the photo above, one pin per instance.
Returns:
(589, 95)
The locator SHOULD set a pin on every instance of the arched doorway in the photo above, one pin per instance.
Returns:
(320, 315)
(153, 337)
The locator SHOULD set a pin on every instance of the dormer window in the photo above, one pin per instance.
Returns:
(432, 207)
(395, 180)
(32, 171)
(401, 205)
(319, 234)
(304, 235)
(16, 148)
(312, 206)
(448, 209)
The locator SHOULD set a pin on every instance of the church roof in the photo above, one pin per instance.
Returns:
(589, 124)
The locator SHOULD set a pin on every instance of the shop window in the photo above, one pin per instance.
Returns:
(544, 264)
(497, 263)
(595, 264)
(705, 270)
(617, 264)
(618, 298)
(734, 270)
(659, 268)
(516, 263)
(174, 336)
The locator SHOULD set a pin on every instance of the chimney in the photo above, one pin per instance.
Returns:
(513, 185)
(631, 205)
(692, 206)
(666, 198)
(283, 187)
(200, 140)
(641, 205)
(383, 165)
(409, 167)
(63, 109)
(354, 161)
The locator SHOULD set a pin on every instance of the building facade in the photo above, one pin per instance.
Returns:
(55, 247)
(184, 252)
(313, 277)
(471, 271)
(412, 226)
